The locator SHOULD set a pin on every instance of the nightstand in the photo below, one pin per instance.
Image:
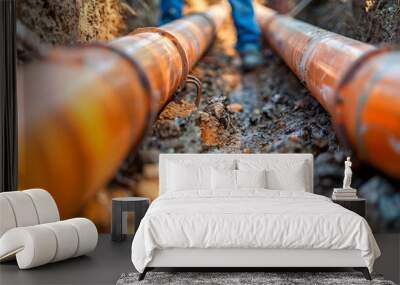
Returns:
(120, 209)
(358, 205)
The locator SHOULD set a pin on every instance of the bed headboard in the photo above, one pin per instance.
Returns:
(208, 159)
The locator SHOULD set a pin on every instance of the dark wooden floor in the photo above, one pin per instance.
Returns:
(111, 259)
(103, 266)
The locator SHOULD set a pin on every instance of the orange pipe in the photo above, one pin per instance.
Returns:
(84, 108)
(357, 83)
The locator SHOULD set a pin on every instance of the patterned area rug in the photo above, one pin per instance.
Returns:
(269, 278)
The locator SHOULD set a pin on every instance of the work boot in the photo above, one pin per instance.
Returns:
(251, 59)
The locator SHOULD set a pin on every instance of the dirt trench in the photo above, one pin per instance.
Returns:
(264, 111)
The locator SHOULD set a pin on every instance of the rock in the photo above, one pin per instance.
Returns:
(120, 192)
(255, 117)
(209, 127)
(235, 107)
(177, 109)
(321, 144)
(339, 156)
(294, 138)
(389, 206)
(277, 98)
(328, 170)
(204, 116)
(299, 104)
(218, 109)
(323, 120)
(147, 188)
(167, 129)
(180, 122)
(318, 133)
(325, 157)
(375, 188)
(298, 136)
(232, 79)
(267, 110)
(150, 171)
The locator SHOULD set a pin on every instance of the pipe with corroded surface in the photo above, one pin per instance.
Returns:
(357, 83)
(83, 108)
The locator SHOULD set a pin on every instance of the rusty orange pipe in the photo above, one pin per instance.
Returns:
(357, 83)
(83, 108)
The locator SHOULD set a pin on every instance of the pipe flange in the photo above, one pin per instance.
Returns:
(347, 77)
(208, 19)
(177, 44)
(152, 112)
(352, 70)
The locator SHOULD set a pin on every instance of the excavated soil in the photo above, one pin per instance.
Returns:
(72, 21)
(80, 21)
(371, 21)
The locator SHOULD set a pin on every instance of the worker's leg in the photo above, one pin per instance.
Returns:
(248, 32)
(170, 10)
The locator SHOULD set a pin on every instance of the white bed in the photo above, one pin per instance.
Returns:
(248, 227)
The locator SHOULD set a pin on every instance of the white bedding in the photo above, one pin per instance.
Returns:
(251, 218)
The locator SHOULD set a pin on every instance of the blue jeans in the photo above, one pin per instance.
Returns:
(248, 32)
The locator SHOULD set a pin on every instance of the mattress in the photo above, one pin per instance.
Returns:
(250, 219)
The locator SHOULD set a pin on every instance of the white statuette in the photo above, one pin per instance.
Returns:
(347, 174)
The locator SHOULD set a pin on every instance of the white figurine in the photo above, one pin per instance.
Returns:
(347, 174)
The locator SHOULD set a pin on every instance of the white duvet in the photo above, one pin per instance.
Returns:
(250, 219)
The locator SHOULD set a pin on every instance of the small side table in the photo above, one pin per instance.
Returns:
(358, 205)
(120, 207)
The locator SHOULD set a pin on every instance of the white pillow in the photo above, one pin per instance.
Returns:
(223, 179)
(285, 174)
(292, 179)
(182, 177)
(251, 178)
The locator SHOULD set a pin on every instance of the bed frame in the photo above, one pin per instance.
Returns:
(242, 259)
(246, 259)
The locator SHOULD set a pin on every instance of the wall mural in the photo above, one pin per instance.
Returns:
(97, 102)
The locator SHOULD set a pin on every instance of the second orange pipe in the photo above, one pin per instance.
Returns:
(357, 83)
